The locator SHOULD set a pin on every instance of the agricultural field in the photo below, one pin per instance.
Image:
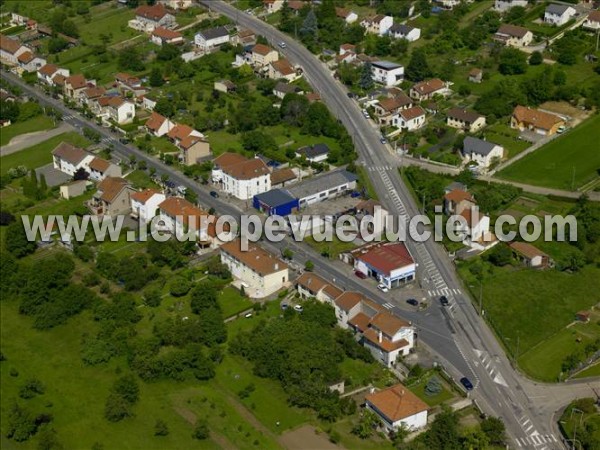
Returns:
(568, 162)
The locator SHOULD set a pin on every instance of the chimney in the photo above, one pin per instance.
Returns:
(379, 336)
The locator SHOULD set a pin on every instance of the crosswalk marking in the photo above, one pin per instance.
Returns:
(388, 305)
(443, 291)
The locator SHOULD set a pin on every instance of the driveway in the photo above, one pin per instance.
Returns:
(54, 177)
(28, 139)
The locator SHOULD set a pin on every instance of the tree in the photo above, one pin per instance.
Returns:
(501, 255)
(309, 266)
(161, 428)
(129, 59)
(9, 110)
(366, 425)
(201, 430)
(179, 286)
(310, 25)
(127, 387)
(152, 298)
(21, 423)
(16, 241)
(366, 77)
(165, 107)
(81, 174)
(204, 296)
(156, 78)
(92, 135)
(287, 254)
(48, 439)
(31, 388)
(512, 61)
(494, 429)
(418, 67)
(536, 58)
(116, 408)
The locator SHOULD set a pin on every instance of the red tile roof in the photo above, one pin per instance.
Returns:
(385, 257)
(25, 57)
(70, 153)
(111, 187)
(360, 321)
(76, 81)
(396, 403)
(143, 196)
(283, 66)
(348, 300)
(48, 69)
(458, 195)
(261, 49)
(154, 12)
(165, 33)
(155, 121)
(256, 258)
(412, 113)
(180, 131)
(536, 118)
(99, 164)
(429, 86)
(9, 45)
(388, 323)
(527, 250)
(385, 344)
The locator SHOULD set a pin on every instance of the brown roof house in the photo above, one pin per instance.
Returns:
(311, 285)
(149, 17)
(475, 75)
(11, 49)
(112, 198)
(241, 177)
(465, 119)
(100, 168)
(425, 90)
(514, 36)
(530, 256)
(191, 143)
(540, 122)
(398, 407)
(259, 272)
(74, 86)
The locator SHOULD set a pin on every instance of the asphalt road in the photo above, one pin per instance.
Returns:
(467, 345)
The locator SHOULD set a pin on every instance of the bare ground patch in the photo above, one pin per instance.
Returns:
(306, 437)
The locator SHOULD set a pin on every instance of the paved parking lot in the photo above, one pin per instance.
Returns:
(53, 176)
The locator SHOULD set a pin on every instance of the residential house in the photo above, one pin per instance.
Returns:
(323, 187)
(100, 168)
(263, 55)
(11, 49)
(311, 285)
(410, 119)
(280, 177)
(476, 228)
(282, 69)
(457, 200)
(391, 264)
(192, 149)
(387, 73)
(505, 5)
(225, 86)
(313, 97)
(379, 24)
(74, 86)
(401, 31)
(176, 4)
(246, 38)
(476, 75)
(259, 272)
(465, 119)
(211, 38)
(276, 202)
(112, 198)
(147, 18)
(427, 89)
(297, 5)
(272, 6)
(49, 71)
(281, 89)
(484, 153)
(241, 177)
(128, 83)
(158, 125)
(148, 102)
(530, 256)
(162, 36)
(120, 110)
(90, 94)
(180, 216)
(73, 189)
(513, 36)
(525, 118)
(397, 407)
(69, 159)
(592, 21)
(314, 153)
(449, 4)
(558, 15)
(388, 109)
(348, 15)
(145, 204)
(30, 62)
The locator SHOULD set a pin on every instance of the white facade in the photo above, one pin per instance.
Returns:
(559, 19)
(122, 114)
(246, 189)
(146, 211)
(377, 25)
(35, 64)
(410, 35)
(49, 79)
(486, 160)
(255, 284)
(391, 75)
(505, 5)
(592, 21)
(69, 167)
(389, 358)
(415, 421)
(176, 4)
(408, 123)
(206, 44)
(351, 17)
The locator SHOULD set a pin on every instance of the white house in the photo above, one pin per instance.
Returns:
(162, 36)
(282, 69)
(262, 55)
(514, 36)
(410, 119)
(484, 153)
(258, 271)
(378, 24)
(145, 204)
(30, 62)
(348, 15)
(272, 6)
(314, 153)
(241, 177)
(398, 407)
(147, 18)
(558, 15)
(387, 73)
(49, 71)
(211, 38)
(505, 5)
(530, 255)
(592, 21)
(400, 31)
(120, 110)
(425, 90)
(464, 119)
(388, 109)
(390, 264)
(311, 285)
(159, 125)
(68, 158)
(10, 49)
(100, 168)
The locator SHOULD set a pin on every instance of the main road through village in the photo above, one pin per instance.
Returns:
(460, 340)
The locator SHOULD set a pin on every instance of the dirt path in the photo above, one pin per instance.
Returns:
(26, 140)
(219, 439)
(249, 417)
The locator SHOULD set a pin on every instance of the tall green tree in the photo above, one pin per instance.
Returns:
(418, 68)
(366, 77)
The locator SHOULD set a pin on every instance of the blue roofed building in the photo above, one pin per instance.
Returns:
(276, 202)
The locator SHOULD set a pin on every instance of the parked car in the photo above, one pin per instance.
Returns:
(412, 301)
(383, 288)
(214, 194)
(360, 274)
(247, 316)
(284, 306)
(444, 300)
(466, 383)
(561, 129)
(383, 140)
(282, 45)
(124, 141)
(354, 194)
(298, 308)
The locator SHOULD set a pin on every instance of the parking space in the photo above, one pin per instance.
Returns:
(53, 176)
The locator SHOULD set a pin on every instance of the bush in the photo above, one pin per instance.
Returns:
(179, 286)
(201, 431)
(31, 388)
(536, 59)
(160, 428)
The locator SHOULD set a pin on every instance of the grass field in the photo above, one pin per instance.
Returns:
(592, 371)
(232, 302)
(40, 154)
(567, 162)
(432, 400)
(544, 361)
(38, 123)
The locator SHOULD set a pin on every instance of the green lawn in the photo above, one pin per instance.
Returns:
(38, 123)
(432, 400)
(111, 21)
(141, 180)
(232, 302)
(543, 362)
(567, 162)
(592, 371)
(365, 182)
(40, 154)
(334, 248)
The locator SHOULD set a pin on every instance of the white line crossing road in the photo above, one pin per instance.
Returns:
(533, 438)
(486, 361)
(388, 306)
(445, 291)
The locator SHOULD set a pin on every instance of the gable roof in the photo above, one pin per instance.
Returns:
(554, 8)
(539, 119)
(178, 206)
(594, 16)
(180, 131)
(458, 195)
(342, 12)
(48, 69)
(9, 45)
(262, 49)
(283, 66)
(143, 196)
(388, 323)
(154, 12)
(282, 175)
(348, 300)
(155, 121)
(25, 57)
(165, 33)
(464, 115)
(399, 101)
(99, 164)
(412, 113)
(76, 81)
(94, 92)
(384, 257)
(314, 150)
(213, 33)
(385, 344)
(256, 258)
(69, 153)
(400, 28)
(312, 281)
(111, 187)
(527, 250)
(396, 403)
(227, 159)
(247, 170)
(475, 145)
(512, 30)
(429, 86)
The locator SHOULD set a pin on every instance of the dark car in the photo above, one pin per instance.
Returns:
(359, 274)
(444, 300)
(412, 301)
(124, 141)
(466, 383)
(214, 194)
